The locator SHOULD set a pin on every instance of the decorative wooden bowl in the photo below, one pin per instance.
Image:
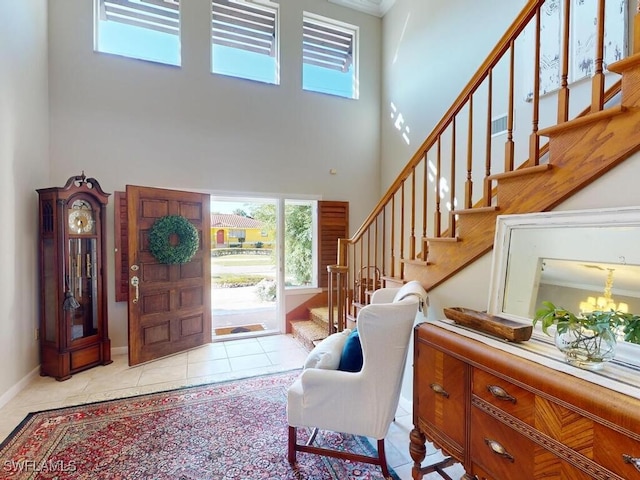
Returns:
(500, 327)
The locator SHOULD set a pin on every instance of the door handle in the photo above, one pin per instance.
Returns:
(135, 281)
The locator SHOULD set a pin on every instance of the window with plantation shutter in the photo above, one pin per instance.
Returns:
(333, 224)
(143, 29)
(329, 56)
(244, 39)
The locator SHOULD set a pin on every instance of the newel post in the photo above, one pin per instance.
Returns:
(338, 282)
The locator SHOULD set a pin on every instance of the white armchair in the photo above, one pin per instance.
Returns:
(364, 402)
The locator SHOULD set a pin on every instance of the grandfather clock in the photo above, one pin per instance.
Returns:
(73, 288)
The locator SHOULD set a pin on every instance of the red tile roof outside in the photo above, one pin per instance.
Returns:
(229, 220)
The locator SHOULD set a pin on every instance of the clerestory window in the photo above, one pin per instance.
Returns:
(244, 39)
(142, 29)
(329, 56)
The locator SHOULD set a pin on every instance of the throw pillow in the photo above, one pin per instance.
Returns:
(351, 359)
(328, 352)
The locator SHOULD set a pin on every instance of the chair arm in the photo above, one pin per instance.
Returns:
(338, 401)
(329, 390)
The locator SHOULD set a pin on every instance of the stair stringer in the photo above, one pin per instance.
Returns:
(580, 152)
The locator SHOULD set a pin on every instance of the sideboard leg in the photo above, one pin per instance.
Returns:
(418, 452)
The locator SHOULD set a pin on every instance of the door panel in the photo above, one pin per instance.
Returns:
(172, 310)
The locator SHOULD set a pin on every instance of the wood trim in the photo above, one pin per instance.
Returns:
(121, 247)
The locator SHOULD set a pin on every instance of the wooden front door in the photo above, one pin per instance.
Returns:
(170, 309)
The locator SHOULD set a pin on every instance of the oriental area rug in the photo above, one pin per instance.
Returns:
(229, 430)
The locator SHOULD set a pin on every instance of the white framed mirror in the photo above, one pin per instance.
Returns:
(570, 258)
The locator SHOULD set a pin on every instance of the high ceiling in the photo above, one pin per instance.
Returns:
(372, 7)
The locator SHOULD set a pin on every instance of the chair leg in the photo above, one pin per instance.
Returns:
(293, 440)
(383, 458)
(294, 447)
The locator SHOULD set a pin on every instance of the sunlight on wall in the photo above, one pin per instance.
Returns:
(399, 123)
(404, 29)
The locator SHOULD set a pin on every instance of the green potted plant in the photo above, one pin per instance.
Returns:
(588, 340)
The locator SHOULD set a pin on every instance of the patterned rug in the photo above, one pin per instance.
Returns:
(230, 430)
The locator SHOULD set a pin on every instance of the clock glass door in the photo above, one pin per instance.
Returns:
(82, 289)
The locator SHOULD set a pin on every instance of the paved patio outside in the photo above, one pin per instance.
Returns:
(240, 306)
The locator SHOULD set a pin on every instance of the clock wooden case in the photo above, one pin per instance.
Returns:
(73, 293)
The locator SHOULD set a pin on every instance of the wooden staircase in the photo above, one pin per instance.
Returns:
(580, 152)
(309, 331)
(404, 238)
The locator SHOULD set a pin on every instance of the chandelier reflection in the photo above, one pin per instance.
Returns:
(605, 302)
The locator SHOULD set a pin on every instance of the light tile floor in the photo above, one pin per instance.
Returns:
(210, 363)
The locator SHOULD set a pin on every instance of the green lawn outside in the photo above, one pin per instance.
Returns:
(242, 260)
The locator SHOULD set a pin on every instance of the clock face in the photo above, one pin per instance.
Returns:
(81, 217)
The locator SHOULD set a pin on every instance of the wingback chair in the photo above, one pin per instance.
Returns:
(364, 402)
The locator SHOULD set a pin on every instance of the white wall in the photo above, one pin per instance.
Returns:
(125, 121)
(430, 50)
(24, 142)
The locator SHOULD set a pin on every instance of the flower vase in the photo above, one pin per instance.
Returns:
(586, 348)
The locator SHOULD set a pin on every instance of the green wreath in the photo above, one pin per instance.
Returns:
(159, 240)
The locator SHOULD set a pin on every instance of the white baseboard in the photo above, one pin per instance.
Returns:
(13, 391)
(18, 387)
(119, 351)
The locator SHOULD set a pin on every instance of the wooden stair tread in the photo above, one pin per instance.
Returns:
(621, 66)
(466, 211)
(416, 261)
(521, 172)
(308, 332)
(581, 121)
(442, 239)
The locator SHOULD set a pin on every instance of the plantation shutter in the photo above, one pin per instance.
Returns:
(160, 15)
(333, 223)
(244, 26)
(327, 46)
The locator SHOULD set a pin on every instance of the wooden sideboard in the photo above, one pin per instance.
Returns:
(504, 417)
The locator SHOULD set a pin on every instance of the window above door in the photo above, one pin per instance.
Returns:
(244, 40)
(142, 29)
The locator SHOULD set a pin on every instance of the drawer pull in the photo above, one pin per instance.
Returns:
(498, 449)
(635, 461)
(500, 393)
(439, 390)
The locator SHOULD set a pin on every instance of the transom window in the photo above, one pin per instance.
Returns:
(244, 40)
(142, 29)
(329, 56)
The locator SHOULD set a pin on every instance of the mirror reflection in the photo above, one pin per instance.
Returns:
(584, 287)
(581, 261)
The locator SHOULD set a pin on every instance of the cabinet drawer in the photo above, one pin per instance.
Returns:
(610, 447)
(439, 398)
(498, 450)
(504, 395)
